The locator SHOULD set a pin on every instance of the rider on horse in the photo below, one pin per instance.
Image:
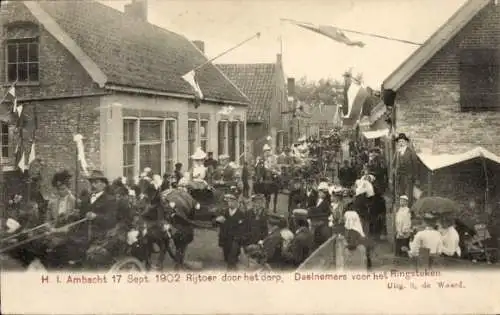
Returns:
(225, 173)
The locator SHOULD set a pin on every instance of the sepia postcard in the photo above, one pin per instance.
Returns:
(224, 156)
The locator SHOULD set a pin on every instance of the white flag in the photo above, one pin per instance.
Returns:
(22, 163)
(32, 156)
(12, 95)
(190, 78)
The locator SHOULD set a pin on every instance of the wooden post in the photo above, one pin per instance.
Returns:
(339, 253)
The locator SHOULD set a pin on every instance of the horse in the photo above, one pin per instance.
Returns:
(266, 183)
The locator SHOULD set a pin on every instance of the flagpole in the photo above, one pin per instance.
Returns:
(381, 36)
(226, 51)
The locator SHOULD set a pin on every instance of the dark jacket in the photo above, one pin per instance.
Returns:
(300, 247)
(320, 212)
(105, 208)
(257, 227)
(406, 164)
(347, 176)
(312, 199)
(234, 229)
(273, 245)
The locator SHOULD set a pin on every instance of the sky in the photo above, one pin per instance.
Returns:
(222, 24)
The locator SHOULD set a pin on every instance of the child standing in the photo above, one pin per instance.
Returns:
(403, 226)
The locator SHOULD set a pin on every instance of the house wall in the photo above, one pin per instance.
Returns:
(118, 106)
(278, 121)
(428, 108)
(57, 100)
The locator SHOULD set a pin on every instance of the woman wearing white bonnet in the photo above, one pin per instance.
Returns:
(356, 251)
(199, 171)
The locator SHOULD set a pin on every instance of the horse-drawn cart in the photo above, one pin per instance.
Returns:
(40, 248)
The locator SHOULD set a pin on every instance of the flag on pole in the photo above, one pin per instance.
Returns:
(356, 96)
(331, 32)
(190, 78)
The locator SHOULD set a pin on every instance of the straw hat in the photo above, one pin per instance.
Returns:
(266, 147)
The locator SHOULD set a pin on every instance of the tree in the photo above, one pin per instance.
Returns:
(321, 92)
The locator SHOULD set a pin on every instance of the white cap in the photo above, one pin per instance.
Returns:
(405, 197)
(266, 147)
(323, 186)
(199, 154)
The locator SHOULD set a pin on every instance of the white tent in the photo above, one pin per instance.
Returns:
(435, 162)
(461, 176)
(376, 134)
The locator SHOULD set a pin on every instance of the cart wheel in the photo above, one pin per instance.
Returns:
(128, 264)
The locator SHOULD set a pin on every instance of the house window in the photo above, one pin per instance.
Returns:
(150, 139)
(22, 60)
(222, 137)
(191, 139)
(232, 140)
(148, 143)
(242, 140)
(204, 135)
(129, 147)
(479, 79)
(6, 154)
(170, 145)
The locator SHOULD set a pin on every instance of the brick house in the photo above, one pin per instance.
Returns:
(83, 67)
(265, 86)
(448, 90)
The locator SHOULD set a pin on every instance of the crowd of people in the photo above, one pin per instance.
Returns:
(322, 201)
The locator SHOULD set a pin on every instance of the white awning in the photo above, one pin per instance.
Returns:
(376, 134)
(434, 162)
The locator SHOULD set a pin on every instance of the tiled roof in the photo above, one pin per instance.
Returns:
(257, 81)
(137, 54)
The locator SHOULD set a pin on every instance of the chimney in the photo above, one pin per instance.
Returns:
(291, 87)
(278, 59)
(138, 9)
(200, 44)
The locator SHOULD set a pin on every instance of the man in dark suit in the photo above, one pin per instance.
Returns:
(257, 219)
(301, 245)
(405, 168)
(233, 231)
(273, 243)
(311, 194)
(319, 214)
(101, 207)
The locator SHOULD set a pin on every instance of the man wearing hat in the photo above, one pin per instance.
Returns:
(233, 231)
(257, 219)
(319, 213)
(405, 168)
(101, 206)
(273, 243)
(301, 245)
(311, 193)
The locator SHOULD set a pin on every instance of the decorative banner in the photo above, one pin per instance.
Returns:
(78, 138)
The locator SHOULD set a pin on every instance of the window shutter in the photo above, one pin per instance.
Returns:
(479, 79)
